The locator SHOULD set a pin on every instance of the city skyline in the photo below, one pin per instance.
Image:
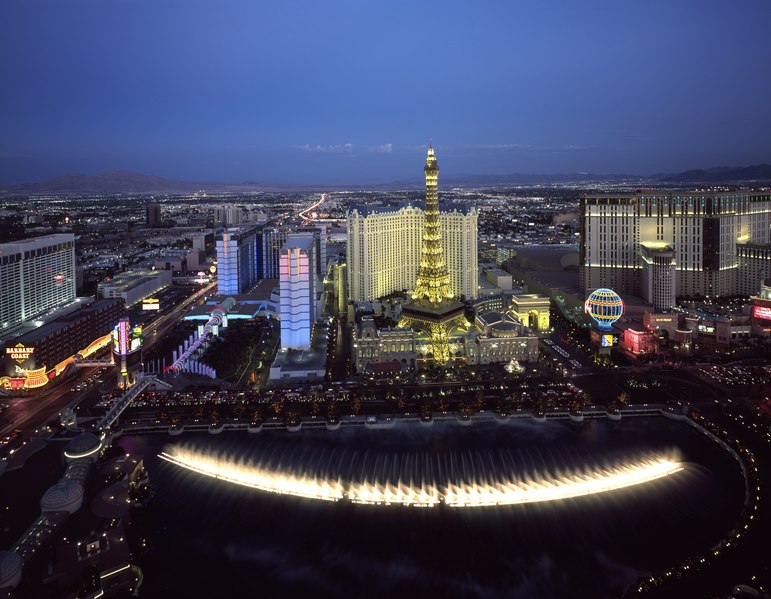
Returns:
(343, 99)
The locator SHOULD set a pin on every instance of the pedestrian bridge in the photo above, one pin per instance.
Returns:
(143, 382)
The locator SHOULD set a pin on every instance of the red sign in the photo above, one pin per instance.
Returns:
(763, 312)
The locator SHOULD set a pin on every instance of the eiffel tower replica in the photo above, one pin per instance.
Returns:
(433, 311)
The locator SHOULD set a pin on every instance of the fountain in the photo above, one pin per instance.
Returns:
(455, 479)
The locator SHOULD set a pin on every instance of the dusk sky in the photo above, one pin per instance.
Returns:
(351, 92)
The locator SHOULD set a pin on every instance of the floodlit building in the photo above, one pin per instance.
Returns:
(383, 349)
(532, 310)
(499, 339)
(272, 240)
(645, 243)
(237, 260)
(754, 267)
(298, 283)
(35, 358)
(36, 276)
(384, 248)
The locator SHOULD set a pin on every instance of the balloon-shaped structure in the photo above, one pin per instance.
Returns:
(605, 306)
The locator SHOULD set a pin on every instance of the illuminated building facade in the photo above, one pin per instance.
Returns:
(236, 260)
(532, 310)
(623, 235)
(761, 310)
(501, 338)
(32, 359)
(383, 349)
(297, 284)
(754, 267)
(36, 276)
(272, 240)
(385, 243)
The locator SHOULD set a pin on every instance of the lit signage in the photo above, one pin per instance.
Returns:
(136, 338)
(151, 303)
(703, 328)
(125, 338)
(762, 312)
(608, 340)
(20, 353)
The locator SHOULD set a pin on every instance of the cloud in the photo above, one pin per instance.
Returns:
(382, 149)
(338, 148)
(501, 146)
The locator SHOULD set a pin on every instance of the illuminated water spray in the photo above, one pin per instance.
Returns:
(450, 480)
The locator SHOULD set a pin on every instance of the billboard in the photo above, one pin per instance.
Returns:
(608, 340)
(762, 312)
(151, 303)
(125, 338)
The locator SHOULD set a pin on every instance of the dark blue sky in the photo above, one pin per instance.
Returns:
(350, 92)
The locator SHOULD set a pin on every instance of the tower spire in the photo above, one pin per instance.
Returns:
(433, 283)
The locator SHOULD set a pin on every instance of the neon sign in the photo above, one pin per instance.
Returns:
(19, 352)
(762, 312)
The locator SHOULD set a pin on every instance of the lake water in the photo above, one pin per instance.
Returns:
(212, 538)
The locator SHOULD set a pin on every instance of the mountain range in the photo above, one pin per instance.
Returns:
(110, 182)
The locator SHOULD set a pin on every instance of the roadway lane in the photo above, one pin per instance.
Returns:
(30, 413)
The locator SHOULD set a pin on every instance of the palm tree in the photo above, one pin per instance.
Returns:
(275, 405)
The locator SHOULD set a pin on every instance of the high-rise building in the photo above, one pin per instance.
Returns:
(297, 284)
(384, 248)
(273, 240)
(754, 267)
(36, 276)
(227, 216)
(659, 245)
(237, 260)
(153, 215)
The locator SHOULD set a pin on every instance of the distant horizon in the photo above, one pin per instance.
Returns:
(416, 176)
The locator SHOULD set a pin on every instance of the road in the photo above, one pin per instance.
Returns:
(32, 412)
(306, 214)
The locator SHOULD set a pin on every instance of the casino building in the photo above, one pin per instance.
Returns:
(34, 358)
(384, 248)
(36, 276)
(660, 245)
(432, 254)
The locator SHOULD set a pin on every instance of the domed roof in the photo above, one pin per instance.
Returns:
(83, 445)
(10, 566)
(61, 496)
(499, 324)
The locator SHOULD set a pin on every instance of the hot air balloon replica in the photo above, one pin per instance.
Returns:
(605, 306)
